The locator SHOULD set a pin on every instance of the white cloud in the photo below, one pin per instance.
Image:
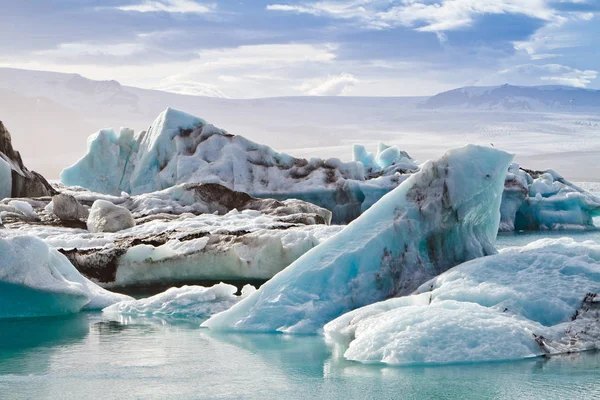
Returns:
(267, 55)
(550, 40)
(170, 6)
(189, 87)
(330, 86)
(69, 50)
(422, 15)
(549, 74)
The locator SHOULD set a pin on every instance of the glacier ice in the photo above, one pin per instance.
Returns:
(543, 200)
(108, 157)
(180, 148)
(186, 302)
(387, 156)
(523, 302)
(445, 214)
(37, 280)
(187, 232)
(67, 208)
(105, 216)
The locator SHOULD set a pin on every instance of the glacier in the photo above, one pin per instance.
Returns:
(37, 280)
(524, 302)
(445, 214)
(182, 303)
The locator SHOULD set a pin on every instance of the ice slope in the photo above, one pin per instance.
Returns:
(187, 302)
(36, 280)
(523, 302)
(445, 214)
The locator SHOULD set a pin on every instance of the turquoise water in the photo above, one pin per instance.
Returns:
(87, 356)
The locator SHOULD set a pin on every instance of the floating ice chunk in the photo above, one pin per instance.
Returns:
(360, 154)
(108, 217)
(67, 208)
(24, 208)
(185, 302)
(36, 280)
(439, 217)
(513, 305)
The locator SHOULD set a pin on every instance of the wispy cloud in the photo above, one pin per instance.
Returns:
(422, 15)
(550, 73)
(170, 6)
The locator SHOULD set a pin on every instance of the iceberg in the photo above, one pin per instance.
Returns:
(544, 200)
(36, 280)
(180, 148)
(521, 303)
(186, 302)
(445, 214)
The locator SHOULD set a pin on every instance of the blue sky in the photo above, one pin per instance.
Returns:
(263, 48)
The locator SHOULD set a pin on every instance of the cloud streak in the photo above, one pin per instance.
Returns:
(169, 6)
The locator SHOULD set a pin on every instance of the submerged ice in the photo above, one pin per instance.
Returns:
(445, 214)
(523, 302)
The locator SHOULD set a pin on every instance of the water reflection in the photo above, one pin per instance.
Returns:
(27, 344)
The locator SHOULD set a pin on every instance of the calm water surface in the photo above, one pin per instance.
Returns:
(87, 356)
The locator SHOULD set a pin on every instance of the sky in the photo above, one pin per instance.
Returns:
(258, 48)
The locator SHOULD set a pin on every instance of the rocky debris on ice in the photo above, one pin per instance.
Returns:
(445, 214)
(15, 179)
(105, 216)
(524, 302)
(187, 302)
(36, 280)
(68, 209)
(188, 232)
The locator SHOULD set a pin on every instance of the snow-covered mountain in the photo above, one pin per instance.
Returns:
(518, 98)
(50, 116)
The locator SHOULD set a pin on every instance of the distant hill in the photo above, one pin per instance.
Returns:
(517, 98)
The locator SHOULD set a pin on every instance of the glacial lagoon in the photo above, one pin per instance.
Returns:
(89, 354)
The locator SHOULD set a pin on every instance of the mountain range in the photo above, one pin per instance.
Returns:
(50, 116)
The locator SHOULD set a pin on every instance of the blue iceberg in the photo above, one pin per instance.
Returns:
(36, 280)
(445, 214)
(524, 302)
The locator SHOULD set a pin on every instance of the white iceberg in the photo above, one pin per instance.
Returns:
(186, 302)
(524, 302)
(36, 280)
(443, 215)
